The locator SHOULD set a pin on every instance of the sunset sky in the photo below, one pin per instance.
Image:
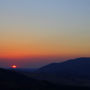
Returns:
(43, 28)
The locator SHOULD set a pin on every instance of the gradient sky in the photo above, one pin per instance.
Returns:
(44, 28)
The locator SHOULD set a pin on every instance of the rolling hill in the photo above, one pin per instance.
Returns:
(71, 72)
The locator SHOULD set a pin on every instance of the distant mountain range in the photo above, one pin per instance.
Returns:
(71, 72)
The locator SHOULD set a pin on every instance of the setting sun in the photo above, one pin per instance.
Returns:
(14, 66)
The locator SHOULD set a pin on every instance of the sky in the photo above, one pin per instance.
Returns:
(33, 30)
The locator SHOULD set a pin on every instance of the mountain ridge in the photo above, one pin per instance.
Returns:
(71, 72)
(69, 64)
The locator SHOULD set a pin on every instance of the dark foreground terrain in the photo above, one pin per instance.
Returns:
(70, 75)
(11, 80)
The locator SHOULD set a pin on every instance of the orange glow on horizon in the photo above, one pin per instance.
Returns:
(39, 51)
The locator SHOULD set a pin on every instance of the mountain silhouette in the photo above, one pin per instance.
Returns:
(78, 66)
(71, 72)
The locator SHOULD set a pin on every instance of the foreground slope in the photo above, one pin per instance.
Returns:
(11, 80)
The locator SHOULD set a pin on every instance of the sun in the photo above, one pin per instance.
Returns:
(13, 66)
